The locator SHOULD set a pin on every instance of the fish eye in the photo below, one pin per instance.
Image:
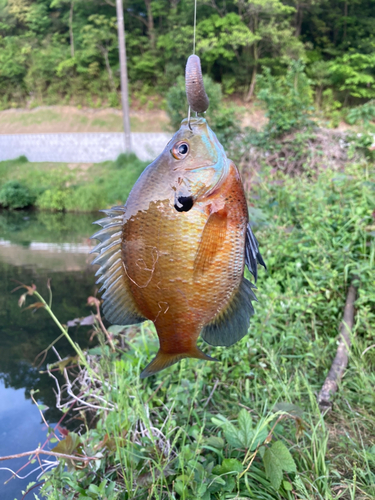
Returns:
(180, 150)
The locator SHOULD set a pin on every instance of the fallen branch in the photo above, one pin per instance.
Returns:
(39, 451)
(340, 362)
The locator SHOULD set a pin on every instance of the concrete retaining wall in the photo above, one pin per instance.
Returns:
(80, 148)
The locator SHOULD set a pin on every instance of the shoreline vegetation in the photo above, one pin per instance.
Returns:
(292, 140)
(63, 187)
(248, 426)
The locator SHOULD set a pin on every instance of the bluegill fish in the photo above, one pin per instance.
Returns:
(175, 253)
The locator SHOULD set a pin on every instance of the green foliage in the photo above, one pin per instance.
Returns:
(288, 99)
(354, 74)
(15, 195)
(249, 426)
(62, 50)
(364, 115)
(277, 459)
(223, 120)
(332, 108)
(58, 189)
(53, 199)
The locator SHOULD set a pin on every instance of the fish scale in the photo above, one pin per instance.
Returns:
(185, 240)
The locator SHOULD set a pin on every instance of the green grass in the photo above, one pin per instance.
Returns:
(57, 119)
(82, 188)
(176, 435)
(35, 118)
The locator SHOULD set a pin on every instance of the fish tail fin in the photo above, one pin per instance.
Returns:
(163, 360)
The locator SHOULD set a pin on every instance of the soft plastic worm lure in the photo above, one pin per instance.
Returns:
(196, 95)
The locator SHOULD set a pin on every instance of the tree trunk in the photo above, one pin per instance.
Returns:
(252, 84)
(345, 20)
(299, 17)
(151, 30)
(318, 96)
(71, 29)
(104, 51)
(123, 74)
(255, 70)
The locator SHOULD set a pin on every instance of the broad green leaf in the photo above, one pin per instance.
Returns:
(230, 483)
(276, 459)
(68, 445)
(245, 424)
(94, 489)
(232, 435)
(274, 471)
(179, 487)
(215, 442)
(281, 451)
(287, 486)
(229, 465)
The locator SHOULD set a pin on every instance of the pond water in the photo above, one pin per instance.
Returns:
(34, 247)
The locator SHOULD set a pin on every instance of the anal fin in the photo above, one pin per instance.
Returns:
(232, 323)
(163, 360)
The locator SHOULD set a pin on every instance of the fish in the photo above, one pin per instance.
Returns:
(175, 253)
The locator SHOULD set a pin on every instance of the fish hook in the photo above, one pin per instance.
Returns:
(196, 95)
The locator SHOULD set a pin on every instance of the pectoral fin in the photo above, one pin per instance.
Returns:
(212, 239)
(232, 323)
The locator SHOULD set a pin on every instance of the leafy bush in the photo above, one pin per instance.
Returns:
(86, 198)
(221, 119)
(14, 195)
(364, 115)
(288, 99)
(22, 159)
(353, 74)
(58, 188)
(110, 188)
(53, 199)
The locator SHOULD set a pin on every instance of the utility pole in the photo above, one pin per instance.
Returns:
(123, 74)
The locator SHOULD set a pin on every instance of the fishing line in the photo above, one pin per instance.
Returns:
(195, 29)
(195, 24)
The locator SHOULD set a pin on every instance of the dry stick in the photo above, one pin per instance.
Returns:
(39, 451)
(340, 362)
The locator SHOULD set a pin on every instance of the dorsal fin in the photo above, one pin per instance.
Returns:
(252, 255)
(232, 323)
(119, 306)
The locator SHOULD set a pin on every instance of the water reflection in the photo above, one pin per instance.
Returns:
(34, 247)
(18, 434)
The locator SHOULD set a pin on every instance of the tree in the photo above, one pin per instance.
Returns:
(270, 24)
(100, 35)
(70, 4)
